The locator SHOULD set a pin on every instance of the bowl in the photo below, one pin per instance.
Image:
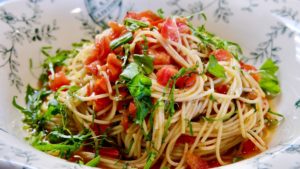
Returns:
(264, 29)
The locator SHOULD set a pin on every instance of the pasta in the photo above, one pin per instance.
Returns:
(154, 92)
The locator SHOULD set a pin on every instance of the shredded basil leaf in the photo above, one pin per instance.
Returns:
(160, 13)
(215, 68)
(94, 162)
(145, 63)
(269, 81)
(133, 24)
(121, 40)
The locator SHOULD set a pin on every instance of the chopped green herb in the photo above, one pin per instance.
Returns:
(275, 113)
(160, 13)
(133, 24)
(269, 82)
(145, 63)
(121, 40)
(94, 162)
(215, 68)
(150, 159)
(191, 127)
(237, 159)
(224, 118)
(130, 71)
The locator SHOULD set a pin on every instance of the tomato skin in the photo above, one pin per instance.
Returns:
(59, 80)
(248, 147)
(185, 139)
(109, 152)
(146, 15)
(195, 162)
(186, 81)
(248, 67)
(222, 55)
(125, 121)
(182, 25)
(114, 67)
(132, 109)
(223, 89)
(100, 51)
(100, 86)
(170, 30)
(117, 29)
(91, 68)
(161, 57)
(165, 73)
(213, 164)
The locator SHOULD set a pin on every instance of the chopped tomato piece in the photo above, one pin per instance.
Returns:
(100, 86)
(117, 29)
(59, 80)
(99, 129)
(185, 139)
(195, 162)
(109, 152)
(186, 81)
(100, 52)
(248, 147)
(147, 15)
(100, 104)
(114, 67)
(182, 25)
(222, 55)
(223, 89)
(92, 68)
(125, 121)
(165, 73)
(132, 109)
(170, 30)
(161, 57)
(252, 95)
(248, 67)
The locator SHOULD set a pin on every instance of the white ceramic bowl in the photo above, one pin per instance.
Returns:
(264, 29)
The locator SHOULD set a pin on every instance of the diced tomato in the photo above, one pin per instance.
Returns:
(100, 104)
(132, 109)
(186, 81)
(165, 73)
(114, 67)
(223, 89)
(248, 147)
(213, 164)
(248, 67)
(100, 86)
(109, 152)
(92, 68)
(186, 139)
(59, 80)
(125, 121)
(100, 52)
(99, 129)
(195, 162)
(252, 95)
(117, 29)
(222, 55)
(147, 15)
(161, 57)
(182, 25)
(170, 30)
(156, 165)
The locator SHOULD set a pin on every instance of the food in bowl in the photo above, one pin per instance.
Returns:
(151, 92)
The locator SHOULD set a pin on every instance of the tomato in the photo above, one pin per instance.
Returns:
(100, 86)
(185, 139)
(161, 57)
(248, 147)
(99, 129)
(59, 80)
(109, 152)
(165, 73)
(186, 81)
(101, 104)
(170, 30)
(125, 121)
(195, 162)
(117, 29)
(100, 51)
(92, 68)
(147, 15)
(223, 89)
(248, 67)
(213, 164)
(132, 109)
(222, 55)
(114, 67)
(252, 95)
(182, 25)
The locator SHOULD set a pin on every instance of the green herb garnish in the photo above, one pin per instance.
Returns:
(269, 81)
(215, 68)
(121, 40)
